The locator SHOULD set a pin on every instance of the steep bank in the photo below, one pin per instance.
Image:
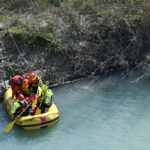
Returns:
(69, 40)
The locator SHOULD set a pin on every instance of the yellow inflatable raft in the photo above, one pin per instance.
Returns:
(35, 121)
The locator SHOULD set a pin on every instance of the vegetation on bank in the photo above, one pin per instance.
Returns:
(71, 39)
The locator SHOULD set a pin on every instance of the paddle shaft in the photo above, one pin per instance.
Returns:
(24, 110)
(35, 101)
(38, 111)
(10, 125)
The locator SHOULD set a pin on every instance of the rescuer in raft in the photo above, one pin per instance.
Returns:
(20, 84)
(18, 105)
(45, 100)
(28, 86)
(17, 85)
(33, 82)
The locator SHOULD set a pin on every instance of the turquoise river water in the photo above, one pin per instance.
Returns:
(98, 114)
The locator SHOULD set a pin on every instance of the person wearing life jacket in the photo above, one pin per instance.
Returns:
(45, 100)
(19, 105)
(34, 81)
(25, 87)
(17, 85)
(30, 110)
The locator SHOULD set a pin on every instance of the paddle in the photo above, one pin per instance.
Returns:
(10, 125)
(38, 111)
(35, 101)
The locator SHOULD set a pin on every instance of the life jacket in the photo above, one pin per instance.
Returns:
(25, 85)
(17, 106)
(46, 97)
(34, 82)
(49, 95)
(30, 99)
(34, 79)
(16, 85)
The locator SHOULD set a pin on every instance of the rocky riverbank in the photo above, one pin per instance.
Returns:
(74, 40)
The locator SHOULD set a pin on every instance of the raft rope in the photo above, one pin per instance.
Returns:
(33, 116)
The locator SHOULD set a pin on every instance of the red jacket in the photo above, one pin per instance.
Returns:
(29, 99)
(34, 83)
(16, 85)
(16, 90)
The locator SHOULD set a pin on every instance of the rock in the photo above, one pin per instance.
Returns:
(83, 43)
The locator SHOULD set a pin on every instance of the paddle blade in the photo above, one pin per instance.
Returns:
(38, 111)
(9, 126)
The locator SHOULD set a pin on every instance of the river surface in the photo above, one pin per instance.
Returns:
(98, 114)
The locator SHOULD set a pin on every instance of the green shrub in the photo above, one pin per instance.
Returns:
(3, 17)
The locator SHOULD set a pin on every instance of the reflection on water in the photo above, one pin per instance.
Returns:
(95, 114)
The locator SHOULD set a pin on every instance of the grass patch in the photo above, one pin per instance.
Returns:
(3, 17)
(36, 5)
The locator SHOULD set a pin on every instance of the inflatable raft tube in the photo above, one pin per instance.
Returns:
(32, 122)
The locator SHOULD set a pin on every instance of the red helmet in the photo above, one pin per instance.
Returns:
(16, 79)
(25, 82)
(33, 76)
(20, 97)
